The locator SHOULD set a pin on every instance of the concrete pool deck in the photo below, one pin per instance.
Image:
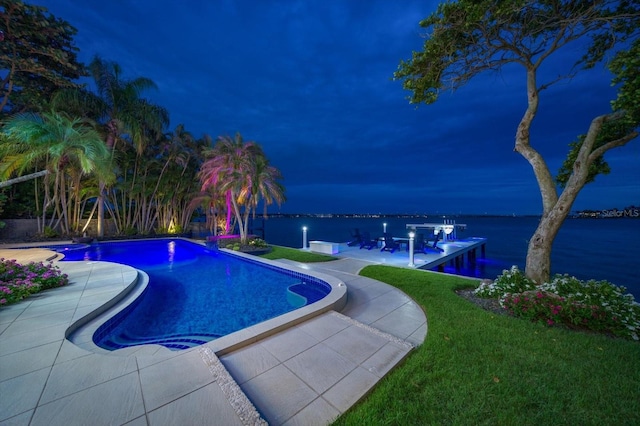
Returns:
(307, 374)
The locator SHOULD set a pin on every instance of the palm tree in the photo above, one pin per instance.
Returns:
(242, 172)
(229, 171)
(175, 182)
(266, 186)
(212, 203)
(69, 148)
(117, 105)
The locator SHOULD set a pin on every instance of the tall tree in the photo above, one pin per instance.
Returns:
(118, 106)
(37, 56)
(177, 181)
(266, 185)
(70, 148)
(468, 37)
(241, 171)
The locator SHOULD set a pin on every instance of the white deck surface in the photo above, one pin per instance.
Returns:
(307, 374)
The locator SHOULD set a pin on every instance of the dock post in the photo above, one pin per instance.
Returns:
(472, 257)
(483, 250)
(304, 238)
(411, 236)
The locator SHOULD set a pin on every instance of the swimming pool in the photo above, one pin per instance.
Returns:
(195, 295)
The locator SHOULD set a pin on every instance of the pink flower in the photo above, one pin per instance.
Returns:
(550, 322)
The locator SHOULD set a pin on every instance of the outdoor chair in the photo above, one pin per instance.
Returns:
(389, 243)
(368, 242)
(356, 238)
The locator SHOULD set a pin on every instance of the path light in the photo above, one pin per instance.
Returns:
(304, 237)
(411, 236)
(384, 227)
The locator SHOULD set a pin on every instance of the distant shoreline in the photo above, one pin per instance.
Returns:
(627, 213)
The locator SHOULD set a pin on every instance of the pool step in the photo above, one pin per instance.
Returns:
(175, 341)
(311, 291)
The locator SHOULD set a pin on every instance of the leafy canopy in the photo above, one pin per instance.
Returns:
(468, 37)
(37, 56)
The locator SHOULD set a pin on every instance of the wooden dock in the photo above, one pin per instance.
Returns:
(454, 252)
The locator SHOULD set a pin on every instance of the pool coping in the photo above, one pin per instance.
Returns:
(82, 330)
(170, 385)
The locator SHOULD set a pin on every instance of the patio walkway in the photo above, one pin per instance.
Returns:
(307, 374)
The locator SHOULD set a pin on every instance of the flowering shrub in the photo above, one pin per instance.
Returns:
(19, 281)
(258, 243)
(592, 305)
(511, 281)
(235, 244)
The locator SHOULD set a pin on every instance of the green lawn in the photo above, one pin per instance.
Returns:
(279, 252)
(478, 368)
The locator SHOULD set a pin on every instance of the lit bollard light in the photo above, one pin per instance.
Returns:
(304, 237)
(384, 227)
(411, 236)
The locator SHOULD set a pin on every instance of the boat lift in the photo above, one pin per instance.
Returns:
(448, 228)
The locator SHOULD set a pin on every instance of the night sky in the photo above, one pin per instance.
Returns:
(311, 82)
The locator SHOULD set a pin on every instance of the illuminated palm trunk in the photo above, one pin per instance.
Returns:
(227, 225)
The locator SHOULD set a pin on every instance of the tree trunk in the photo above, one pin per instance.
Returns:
(228, 221)
(247, 212)
(538, 263)
(556, 209)
(238, 215)
(23, 178)
(100, 202)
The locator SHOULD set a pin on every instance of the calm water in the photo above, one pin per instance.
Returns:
(602, 249)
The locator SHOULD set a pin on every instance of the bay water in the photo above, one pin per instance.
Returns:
(601, 249)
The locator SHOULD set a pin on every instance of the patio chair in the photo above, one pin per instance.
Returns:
(368, 242)
(389, 243)
(356, 238)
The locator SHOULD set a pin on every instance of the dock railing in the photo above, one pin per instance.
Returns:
(448, 228)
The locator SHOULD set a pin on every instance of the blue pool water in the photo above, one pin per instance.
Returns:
(194, 294)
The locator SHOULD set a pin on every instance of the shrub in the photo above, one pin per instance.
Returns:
(19, 281)
(511, 281)
(592, 305)
(258, 243)
(130, 231)
(49, 232)
(234, 243)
